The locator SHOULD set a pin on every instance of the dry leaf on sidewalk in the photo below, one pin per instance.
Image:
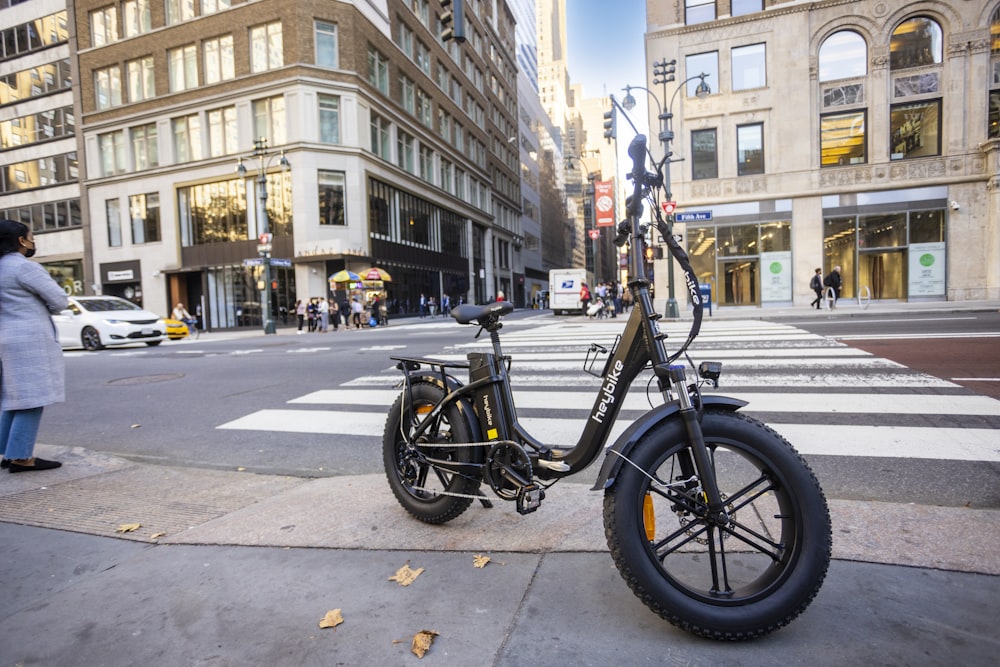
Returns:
(405, 575)
(128, 527)
(156, 536)
(480, 560)
(422, 642)
(332, 619)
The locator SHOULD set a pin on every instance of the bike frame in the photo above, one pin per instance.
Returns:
(640, 343)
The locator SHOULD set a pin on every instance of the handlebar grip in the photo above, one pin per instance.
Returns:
(637, 151)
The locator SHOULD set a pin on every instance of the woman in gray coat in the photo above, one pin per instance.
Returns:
(32, 373)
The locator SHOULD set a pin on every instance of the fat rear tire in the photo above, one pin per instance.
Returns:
(775, 503)
(417, 485)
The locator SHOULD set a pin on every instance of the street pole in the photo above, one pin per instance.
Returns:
(663, 71)
(263, 159)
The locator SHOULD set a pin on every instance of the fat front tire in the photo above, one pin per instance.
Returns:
(421, 487)
(735, 582)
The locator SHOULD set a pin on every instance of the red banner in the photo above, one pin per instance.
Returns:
(604, 203)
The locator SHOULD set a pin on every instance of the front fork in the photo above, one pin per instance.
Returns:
(702, 463)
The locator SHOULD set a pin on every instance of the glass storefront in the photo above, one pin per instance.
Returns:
(746, 264)
(895, 255)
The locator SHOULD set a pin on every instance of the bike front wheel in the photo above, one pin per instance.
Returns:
(737, 581)
(425, 490)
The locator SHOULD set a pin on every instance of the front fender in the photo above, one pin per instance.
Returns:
(641, 426)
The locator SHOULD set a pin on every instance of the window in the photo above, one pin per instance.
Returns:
(915, 42)
(741, 7)
(112, 210)
(424, 112)
(423, 58)
(378, 70)
(108, 87)
(995, 33)
(187, 138)
(404, 151)
(145, 213)
(111, 147)
(145, 154)
(704, 154)
(427, 164)
(326, 45)
(329, 119)
(213, 6)
(407, 94)
(843, 55)
(104, 25)
(179, 10)
(222, 135)
(266, 47)
(404, 39)
(994, 115)
(749, 67)
(138, 17)
(182, 66)
(331, 197)
(446, 176)
(219, 61)
(842, 139)
(380, 136)
(698, 11)
(269, 120)
(141, 82)
(915, 129)
(701, 63)
(750, 149)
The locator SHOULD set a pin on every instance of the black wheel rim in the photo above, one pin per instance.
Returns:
(736, 564)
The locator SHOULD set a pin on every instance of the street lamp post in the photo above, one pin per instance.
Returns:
(663, 71)
(263, 158)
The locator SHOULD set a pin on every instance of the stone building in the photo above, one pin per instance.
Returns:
(397, 144)
(855, 133)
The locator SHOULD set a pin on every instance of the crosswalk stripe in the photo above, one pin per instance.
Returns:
(909, 404)
(762, 362)
(809, 439)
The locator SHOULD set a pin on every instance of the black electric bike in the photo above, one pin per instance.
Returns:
(712, 518)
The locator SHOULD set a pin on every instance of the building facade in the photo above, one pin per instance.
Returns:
(854, 133)
(397, 144)
(40, 148)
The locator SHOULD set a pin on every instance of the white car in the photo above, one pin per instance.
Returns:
(93, 322)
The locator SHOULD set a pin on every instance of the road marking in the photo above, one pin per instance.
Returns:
(820, 403)
(956, 444)
(918, 336)
(975, 379)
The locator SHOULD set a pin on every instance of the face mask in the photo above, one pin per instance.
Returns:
(30, 252)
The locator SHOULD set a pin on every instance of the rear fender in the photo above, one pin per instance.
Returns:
(450, 384)
(641, 426)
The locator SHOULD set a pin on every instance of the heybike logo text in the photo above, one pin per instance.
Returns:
(608, 392)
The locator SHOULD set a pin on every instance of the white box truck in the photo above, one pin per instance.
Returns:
(564, 290)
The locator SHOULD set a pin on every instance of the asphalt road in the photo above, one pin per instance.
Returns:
(163, 405)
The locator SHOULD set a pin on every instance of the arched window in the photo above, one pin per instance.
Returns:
(995, 32)
(915, 42)
(843, 55)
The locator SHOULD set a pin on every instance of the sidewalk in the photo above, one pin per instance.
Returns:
(233, 568)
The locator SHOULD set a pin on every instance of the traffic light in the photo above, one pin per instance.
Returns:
(610, 125)
(452, 21)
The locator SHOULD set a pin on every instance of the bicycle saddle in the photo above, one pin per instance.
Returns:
(468, 313)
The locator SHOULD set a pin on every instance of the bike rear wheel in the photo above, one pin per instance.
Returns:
(422, 488)
(735, 582)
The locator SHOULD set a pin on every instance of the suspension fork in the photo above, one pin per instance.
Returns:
(702, 463)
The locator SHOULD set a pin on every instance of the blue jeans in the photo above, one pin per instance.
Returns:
(18, 431)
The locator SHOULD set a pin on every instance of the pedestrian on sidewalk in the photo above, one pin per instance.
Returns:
(816, 284)
(32, 370)
(834, 282)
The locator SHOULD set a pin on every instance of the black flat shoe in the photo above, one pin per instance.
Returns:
(4, 463)
(39, 464)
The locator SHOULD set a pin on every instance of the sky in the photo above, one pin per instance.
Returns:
(607, 51)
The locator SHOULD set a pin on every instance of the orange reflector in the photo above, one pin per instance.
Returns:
(648, 518)
(424, 409)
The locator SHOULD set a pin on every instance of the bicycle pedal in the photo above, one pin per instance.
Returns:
(529, 498)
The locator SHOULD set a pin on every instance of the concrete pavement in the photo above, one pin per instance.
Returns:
(232, 568)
